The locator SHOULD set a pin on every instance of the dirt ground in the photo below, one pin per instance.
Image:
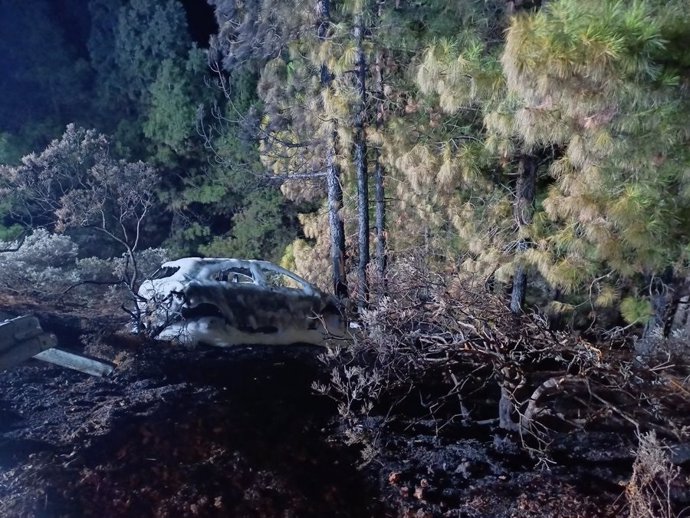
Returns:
(211, 432)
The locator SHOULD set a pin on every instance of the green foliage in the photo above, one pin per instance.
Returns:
(171, 119)
(147, 35)
(139, 50)
(601, 79)
(10, 149)
(257, 230)
(10, 233)
(288, 259)
(636, 310)
(176, 95)
(42, 90)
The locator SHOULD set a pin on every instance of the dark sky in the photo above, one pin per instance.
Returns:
(201, 20)
(74, 14)
(74, 18)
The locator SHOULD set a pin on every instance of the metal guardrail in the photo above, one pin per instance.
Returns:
(23, 338)
(75, 362)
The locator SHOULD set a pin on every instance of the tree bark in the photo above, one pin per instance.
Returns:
(380, 223)
(380, 193)
(360, 159)
(680, 310)
(335, 221)
(664, 295)
(523, 210)
(506, 409)
(335, 190)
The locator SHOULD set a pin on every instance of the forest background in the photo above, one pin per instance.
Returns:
(538, 149)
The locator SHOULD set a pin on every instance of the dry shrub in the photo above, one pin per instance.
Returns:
(379, 362)
(456, 352)
(449, 343)
(356, 390)
(649, 490)
(42, 264)
(46, 269)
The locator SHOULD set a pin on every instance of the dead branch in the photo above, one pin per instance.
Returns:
(550, 387)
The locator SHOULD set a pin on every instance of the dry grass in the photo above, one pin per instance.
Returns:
(650, 487)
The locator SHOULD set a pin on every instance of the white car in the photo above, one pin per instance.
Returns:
(226, 302)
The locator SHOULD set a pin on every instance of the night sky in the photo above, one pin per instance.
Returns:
(73, 14)
(201, 21)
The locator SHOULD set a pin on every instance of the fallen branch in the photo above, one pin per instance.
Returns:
(550, 387)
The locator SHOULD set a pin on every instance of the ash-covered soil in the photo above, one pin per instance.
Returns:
(239, 432)
(174, 433)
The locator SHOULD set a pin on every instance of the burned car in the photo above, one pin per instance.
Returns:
(226, 302)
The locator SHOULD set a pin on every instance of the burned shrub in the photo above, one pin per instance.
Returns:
(454, 355)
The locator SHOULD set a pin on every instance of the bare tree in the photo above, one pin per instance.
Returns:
(75, 182)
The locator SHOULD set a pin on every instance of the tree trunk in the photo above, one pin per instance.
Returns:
(664, 297)
(523, 205)
(517, 295)
(335, 221)
(523, 210)
(335, 190)
(360, 158)
(680, 312)
(381, 258)
(380, 214)
(506, 409)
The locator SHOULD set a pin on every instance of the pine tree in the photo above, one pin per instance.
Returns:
(360, 159)
(379, 172)
(335, 190)
(178, 91)
(461, 77)
(129, 44)
(604, 82)
(525, 188)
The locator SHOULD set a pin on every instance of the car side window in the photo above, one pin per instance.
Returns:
(234, 274)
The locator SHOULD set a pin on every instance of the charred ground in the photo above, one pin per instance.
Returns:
(174, 433)
(242, 432)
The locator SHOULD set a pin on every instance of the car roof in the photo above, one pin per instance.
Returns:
(195, 266)
(190, 262)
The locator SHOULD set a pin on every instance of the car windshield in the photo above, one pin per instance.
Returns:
(164, 272)
(281, 280)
